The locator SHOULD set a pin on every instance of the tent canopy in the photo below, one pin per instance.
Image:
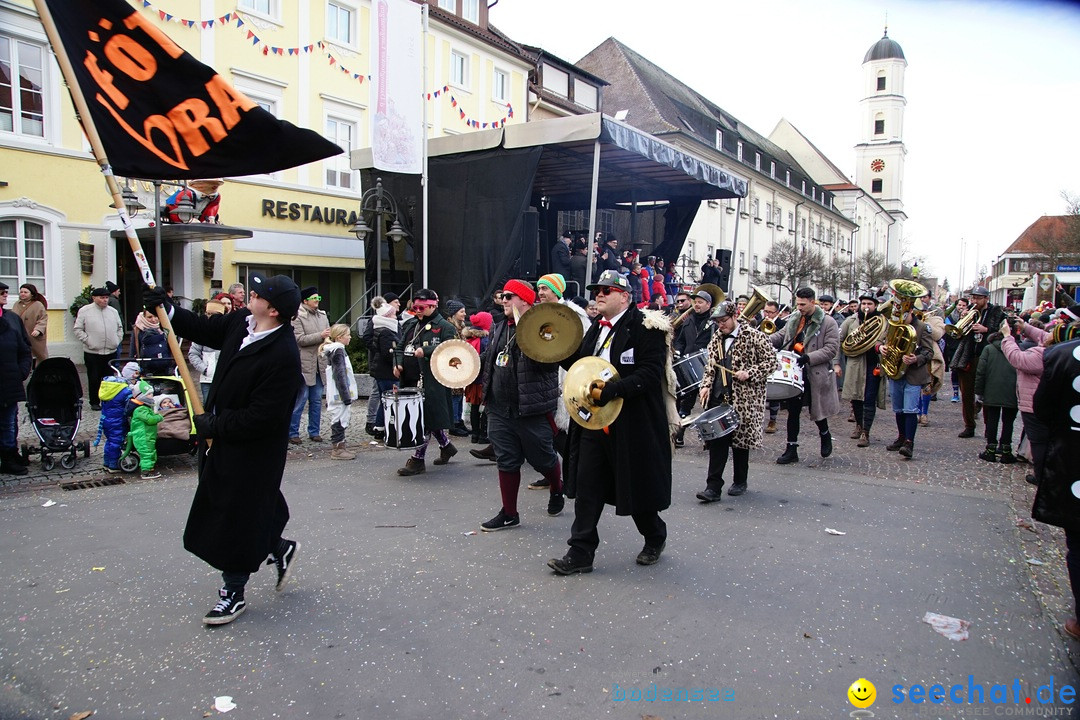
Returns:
(482, 184)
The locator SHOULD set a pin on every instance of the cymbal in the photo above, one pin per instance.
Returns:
(579, 381)
(549, 332)
(455, 364)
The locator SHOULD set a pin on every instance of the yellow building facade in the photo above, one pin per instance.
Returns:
(305, 61)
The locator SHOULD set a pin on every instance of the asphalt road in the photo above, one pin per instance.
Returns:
(398, 611)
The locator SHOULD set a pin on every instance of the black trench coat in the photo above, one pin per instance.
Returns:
(641, 433)
(238, 512)
(1057, 403)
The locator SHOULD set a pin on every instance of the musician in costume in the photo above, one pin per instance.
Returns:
(815, 338)
(862, 379)
(419, 337)
(628, 463)
(693, 335)
(966, 358)
(520, 395)
(740, 361)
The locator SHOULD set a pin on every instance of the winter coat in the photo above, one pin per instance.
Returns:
(969, 350)
(643, 432)
(821, 341)
(307, 329)
(1055, 403)
(154, 346)
(694, 333)
(1028, 364)
(238, 512)
(114, 395)
(15, 358)
(340, 383)
(560, 259)
(98, 329)
(578, 265)
(859, 365)
(144, 422)
(536, 384)
(918, 373)
(751, 351)
(204, 360)
(34, 317)
(995, 378)
(426, 334)
(381, 357)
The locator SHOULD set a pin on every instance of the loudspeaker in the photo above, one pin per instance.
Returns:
(530, 245)
(724, 258)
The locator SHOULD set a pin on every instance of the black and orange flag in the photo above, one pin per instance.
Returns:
(163, 114)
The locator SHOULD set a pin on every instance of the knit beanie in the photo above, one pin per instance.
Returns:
(481, 320)
(521, 289)
(554, 282)
(452, 306)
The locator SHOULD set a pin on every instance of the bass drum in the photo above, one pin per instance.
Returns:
(689, 373)
(715, 423)
(787, 381)
(404, 412)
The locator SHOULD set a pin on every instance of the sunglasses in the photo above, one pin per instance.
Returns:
(607, 291)
(507, 296)
(314, 297)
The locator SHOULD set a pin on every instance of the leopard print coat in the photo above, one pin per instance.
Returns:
(753, 353)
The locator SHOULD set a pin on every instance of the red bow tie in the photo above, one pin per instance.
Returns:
(605, 323)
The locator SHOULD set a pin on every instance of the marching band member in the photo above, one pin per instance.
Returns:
(693, 336)
(862, 379)
(628, 463)
(966, 358)
(907, 391)
(740, 361)
(816, 339)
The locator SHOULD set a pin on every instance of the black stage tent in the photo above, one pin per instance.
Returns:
(494, 197)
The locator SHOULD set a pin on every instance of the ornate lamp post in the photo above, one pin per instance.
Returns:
(380, 204)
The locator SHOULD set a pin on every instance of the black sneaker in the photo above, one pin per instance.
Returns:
(285, 563)
(569, 565)
(502, 521)
(556, 502)
(541, 484)
(228, 608)
(650, 555)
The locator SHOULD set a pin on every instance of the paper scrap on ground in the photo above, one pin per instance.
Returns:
(224, 703)
(1033, 561)
(950, 627)
(833, 531)
(49, 503)
(471, 532)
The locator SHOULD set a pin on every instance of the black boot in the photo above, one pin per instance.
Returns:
(1005, 454)
(989, 454)
(10, 464)
(896, 444)
(791, 455)
(826, 444)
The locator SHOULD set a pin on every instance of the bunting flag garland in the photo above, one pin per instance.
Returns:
(234, 17)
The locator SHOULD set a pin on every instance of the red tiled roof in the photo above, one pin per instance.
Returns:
(1053, 226)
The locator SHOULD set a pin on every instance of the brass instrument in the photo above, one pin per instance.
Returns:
(549, 332)
(718, 296)
(755, 305)
(584, 380)
(455, 364)
(864, 337)
(900, 337)
(963, 326)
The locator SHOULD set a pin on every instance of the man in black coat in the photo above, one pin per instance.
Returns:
(520, 395)
(238, 513)
(693, 336)
(966, 358)
(1057, 404)
(560, 255)
(15, 359)
(628, 463)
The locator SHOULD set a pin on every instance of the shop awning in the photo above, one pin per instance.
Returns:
(187, 233)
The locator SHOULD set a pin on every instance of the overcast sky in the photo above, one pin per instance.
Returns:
(992, 125)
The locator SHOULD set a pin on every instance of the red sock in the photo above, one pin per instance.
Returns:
(554, 476)
(509, 483)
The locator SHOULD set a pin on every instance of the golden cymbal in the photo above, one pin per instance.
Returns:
(549, 332)
(455, 364)
(581, 378)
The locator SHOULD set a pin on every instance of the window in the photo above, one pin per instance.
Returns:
(742, 260)
(266, 8)
(791, 220)
(22, 254)
(875, 186)
(470, 10)
(787, 178)
(22, 108)
(459, 70)
(585, 94)
(757, 268)
(339, 23)
(556, 80)
(691, 250)
(803, 223)
(448, 5)
(755, 208)
(719, 139)
(343, 133)
(879, 124)
(768, 212)
(500, 86)
(779, 216)
(757, 160)
(772, 169)
(738, 152)
(881, 82)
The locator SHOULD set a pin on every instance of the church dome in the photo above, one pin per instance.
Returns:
(884, 49)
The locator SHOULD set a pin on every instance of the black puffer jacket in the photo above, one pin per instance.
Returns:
(14, 358)
(1055, 403)
(381, 349)
(537, 384)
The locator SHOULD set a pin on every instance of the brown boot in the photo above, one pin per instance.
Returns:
(445, 454)
(340, 453)
(412, 467)
(864, 440)
(857, 432)
(771, 427)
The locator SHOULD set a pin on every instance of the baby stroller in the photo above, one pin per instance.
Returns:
(54, 404)
(176, 431)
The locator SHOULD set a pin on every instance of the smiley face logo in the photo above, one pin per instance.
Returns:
(862, 693)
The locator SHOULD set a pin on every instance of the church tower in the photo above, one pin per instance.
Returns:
(880, 154)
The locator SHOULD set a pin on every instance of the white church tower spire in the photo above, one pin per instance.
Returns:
(880, 154)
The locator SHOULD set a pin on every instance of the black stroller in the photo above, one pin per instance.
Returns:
(54, 404)
(176, 434)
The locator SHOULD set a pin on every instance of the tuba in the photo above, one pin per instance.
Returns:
(756, 304)
(900, 337)
(864, 337)
(718, 296)
(963, 326)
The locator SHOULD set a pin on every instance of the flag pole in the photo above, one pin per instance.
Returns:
(424, 171)
(87, 122)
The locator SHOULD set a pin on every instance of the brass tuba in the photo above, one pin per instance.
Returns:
(718, 296)
(756, 304)
(864, 337)
(964, 325)
(900, 337)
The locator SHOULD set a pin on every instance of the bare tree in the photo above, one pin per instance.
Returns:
(790, 268)
(834, 276)
(1060, 246)
(873, 272)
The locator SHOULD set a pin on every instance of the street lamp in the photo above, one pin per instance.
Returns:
(380, 204)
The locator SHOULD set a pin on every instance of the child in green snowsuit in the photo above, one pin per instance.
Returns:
(143, 434)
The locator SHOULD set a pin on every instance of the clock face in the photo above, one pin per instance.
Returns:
(877, 165)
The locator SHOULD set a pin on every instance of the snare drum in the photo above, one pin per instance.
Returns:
(715, 423)
(404, 411)
(787, 381)
(689, 372)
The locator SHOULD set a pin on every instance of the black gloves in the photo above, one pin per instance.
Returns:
(804, 360)
(607, 393)
(204, 424)
(154, 296)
